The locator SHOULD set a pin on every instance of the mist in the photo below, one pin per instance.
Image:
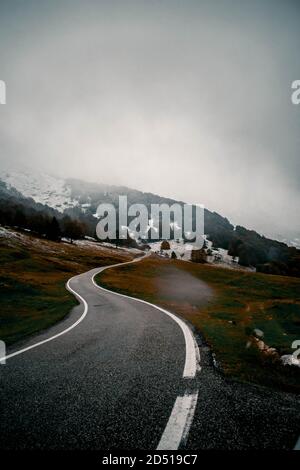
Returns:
(190, 100)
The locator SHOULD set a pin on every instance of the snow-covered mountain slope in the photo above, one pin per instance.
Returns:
(218, 256)
(41, 187)
(82, 197)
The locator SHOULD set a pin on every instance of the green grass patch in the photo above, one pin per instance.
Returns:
(242, 302)
(33, 273)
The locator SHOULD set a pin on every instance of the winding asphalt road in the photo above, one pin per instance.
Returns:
(116, 373)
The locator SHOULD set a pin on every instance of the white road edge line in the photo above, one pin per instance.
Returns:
(192, 354)
(20, 351)
(178, 426)
(181, 418)
(297, 446)
(35, 345)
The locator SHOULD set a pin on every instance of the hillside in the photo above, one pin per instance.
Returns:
(33, 274)
(249, 320)
(79, 200)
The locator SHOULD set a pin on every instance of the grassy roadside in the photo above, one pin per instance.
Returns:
(33, 273)
(242, 301)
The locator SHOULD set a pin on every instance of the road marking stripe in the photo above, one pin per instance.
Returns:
(192, 354)
(182, 414)
(181, 417)
(178, 426)
(20, 351)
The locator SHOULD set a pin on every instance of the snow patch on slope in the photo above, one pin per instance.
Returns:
(182, 250)
(215, 256)
(42, 188)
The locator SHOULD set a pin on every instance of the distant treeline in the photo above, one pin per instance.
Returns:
(252, 249)
(24, 213)
(266, 255)
(18, 215)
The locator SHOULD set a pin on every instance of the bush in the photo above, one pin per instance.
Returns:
(198, 256)
(165, 245)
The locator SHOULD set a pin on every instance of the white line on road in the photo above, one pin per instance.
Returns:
(178, 426)
(181, 418)
(20, 351)
(191, 347)
(297, 446)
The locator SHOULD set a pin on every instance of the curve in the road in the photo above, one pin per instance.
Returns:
(85, 311)
(180, 420)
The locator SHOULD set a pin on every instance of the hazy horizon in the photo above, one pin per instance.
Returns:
(187, 100)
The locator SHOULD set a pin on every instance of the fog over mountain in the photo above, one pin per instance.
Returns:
(189, 100)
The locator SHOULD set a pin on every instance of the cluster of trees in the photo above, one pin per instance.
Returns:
(42, 223)
(220, 230)
(288, 267)
(73, 229)
(252, 249)
(268, 256)
(198, 256)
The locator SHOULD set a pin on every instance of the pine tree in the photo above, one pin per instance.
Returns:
(53, 231)
(74, 230)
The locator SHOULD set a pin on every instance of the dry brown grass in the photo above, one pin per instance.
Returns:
(242, 301)
(33, 273)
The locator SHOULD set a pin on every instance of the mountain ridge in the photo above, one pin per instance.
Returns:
(79, 200)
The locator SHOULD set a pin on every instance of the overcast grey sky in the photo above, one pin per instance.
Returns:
(188, 99)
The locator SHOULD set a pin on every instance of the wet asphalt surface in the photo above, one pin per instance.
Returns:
(232, 415)
(111, 383)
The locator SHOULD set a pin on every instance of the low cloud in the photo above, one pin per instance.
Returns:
(186, 99)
